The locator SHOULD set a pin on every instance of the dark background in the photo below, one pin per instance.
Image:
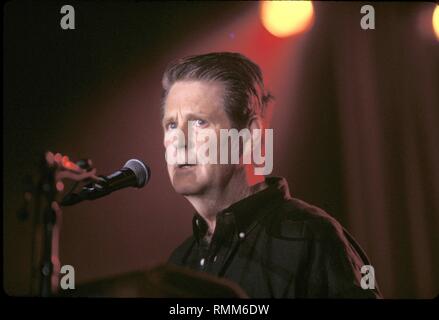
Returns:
(355, 125)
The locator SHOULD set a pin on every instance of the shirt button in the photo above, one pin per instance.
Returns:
(242, 235)
(202, 262)
(197, 222)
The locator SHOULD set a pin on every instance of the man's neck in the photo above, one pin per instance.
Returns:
(210, 204)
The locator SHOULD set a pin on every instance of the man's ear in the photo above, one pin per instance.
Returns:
(255, 123)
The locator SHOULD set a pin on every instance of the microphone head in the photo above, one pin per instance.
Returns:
(141, 171)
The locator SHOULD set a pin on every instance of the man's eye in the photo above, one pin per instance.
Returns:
(171, 125)
(200, 122)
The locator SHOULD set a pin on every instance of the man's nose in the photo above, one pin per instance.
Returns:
(181, 142)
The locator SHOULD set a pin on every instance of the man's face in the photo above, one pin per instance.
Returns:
(201, 103)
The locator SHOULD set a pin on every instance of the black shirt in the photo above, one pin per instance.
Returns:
(275, 246)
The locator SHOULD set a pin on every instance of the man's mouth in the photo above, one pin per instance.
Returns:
(185, 166)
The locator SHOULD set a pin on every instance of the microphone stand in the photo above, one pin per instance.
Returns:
(46, 225)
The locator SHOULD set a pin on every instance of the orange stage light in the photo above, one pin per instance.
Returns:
(286, 18)
(435, 21)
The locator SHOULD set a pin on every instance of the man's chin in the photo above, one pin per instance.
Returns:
(186, 187)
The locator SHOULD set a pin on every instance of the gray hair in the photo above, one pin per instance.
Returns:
(245, 95)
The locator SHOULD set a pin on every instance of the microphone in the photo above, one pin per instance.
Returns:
(133, 174)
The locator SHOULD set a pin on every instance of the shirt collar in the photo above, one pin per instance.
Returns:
(244, 213)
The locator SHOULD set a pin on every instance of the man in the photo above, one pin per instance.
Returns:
(247, 228)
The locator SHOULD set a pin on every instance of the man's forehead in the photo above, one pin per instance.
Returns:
(196, 96)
